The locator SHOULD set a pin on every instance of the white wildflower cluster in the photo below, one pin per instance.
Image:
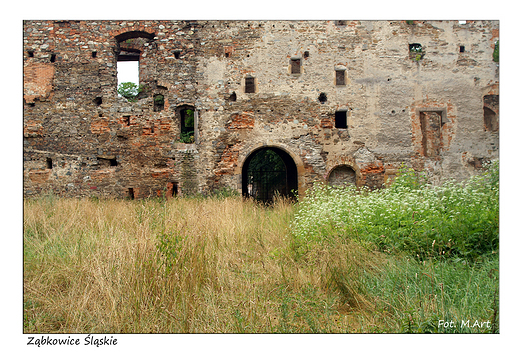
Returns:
(408, 209)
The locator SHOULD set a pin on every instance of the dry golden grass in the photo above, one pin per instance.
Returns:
(184, 265)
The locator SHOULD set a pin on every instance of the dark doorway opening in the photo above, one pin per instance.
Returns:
(267, 173)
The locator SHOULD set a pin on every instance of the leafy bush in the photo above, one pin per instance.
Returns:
(129, 90)
(187, 137)
(496, 53)
(425, 221)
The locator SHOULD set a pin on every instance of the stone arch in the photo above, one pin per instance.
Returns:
(294, 171)
(129, 46)
(342, 174)
(126, 34)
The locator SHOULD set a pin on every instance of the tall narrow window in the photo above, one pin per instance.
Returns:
(296, 66)
(340, 77)
(250, 85)
(49, 163)
(130, 45)
(187, 119)
(128, 71)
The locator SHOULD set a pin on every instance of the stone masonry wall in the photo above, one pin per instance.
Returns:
(334, 95)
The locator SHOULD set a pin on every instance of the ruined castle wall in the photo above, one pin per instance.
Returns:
(80, 138)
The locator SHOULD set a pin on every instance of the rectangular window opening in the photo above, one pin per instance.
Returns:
(340, 77)
(131, 195)
(187, 116)
(128, 71)
(341, 119)
(295, 66)
(462, 49)
(158, 103)
(250, 85)
(49, 163)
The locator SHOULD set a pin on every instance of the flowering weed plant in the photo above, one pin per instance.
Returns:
(457, 220)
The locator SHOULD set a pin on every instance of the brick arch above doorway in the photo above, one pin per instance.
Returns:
(247, 153)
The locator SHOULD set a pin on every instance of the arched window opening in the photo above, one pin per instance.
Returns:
(130, 45)
(342, 175)
(269, 173)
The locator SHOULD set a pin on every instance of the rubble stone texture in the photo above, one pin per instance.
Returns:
(341, 101)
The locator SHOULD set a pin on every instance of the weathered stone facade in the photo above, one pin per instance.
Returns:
(348, 101)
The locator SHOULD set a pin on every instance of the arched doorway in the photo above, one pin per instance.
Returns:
(268, 172)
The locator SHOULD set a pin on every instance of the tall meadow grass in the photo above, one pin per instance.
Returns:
(180, 265)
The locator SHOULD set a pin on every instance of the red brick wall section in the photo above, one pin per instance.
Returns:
(242, 120)
(32, 128)
(99, 126)
(37, 81)
(39, 176)
(228, 161)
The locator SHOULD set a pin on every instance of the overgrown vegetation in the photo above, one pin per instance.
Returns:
(496, 53)
(442, 243)
(455, 220)
(187, 127)
(129, 90)
(340, 261)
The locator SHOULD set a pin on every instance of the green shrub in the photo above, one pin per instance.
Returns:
(496, 52)
(129, 90)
